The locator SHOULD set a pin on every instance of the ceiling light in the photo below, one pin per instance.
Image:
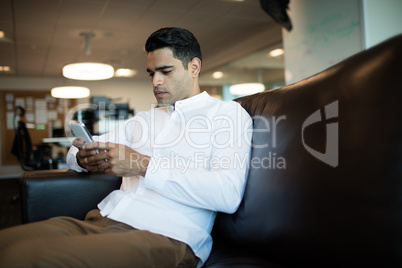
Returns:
(246, 88)
(5, 69)
(4, 38)
(70, 92)
(88, 71)
(276, 52)
(217, 75)
(124, 72)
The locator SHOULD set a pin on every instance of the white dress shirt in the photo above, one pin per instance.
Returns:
(199, 152)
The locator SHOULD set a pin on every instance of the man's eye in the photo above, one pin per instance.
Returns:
(151, 74)
(166, 72)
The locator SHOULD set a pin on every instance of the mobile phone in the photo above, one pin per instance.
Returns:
(80, 131)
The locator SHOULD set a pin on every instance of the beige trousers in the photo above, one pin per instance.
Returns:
(95, 242)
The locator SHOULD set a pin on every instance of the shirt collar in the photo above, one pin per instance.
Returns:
(198, 99)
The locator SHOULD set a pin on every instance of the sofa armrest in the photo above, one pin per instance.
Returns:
(50, 193)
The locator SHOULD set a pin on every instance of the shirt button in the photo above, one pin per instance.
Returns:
(140, 191)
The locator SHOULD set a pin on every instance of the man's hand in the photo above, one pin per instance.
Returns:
(88, 159)
(112, 158)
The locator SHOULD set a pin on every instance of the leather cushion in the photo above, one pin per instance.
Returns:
(311, 211)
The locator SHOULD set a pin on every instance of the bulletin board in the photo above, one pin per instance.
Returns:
(42, 114)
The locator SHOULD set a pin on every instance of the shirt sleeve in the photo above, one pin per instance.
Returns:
(219, 187)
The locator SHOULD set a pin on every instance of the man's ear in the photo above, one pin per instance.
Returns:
(195, 66)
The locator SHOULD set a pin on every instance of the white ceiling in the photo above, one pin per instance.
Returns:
(44, 35)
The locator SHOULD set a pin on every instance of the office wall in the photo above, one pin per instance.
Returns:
(382, 20)
(137, 93)
(324, 33)
(41, 112)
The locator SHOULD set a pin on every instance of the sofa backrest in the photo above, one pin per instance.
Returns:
(325, 183)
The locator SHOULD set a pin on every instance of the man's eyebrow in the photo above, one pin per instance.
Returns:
(160, 68)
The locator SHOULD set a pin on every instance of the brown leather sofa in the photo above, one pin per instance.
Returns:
(325, 184)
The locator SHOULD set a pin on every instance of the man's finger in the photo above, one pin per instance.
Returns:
(99, 145)
(85, 153)
(92, 145)
(78, 142)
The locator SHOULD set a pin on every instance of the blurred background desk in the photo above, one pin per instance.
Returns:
(59, 148)
(63, 141)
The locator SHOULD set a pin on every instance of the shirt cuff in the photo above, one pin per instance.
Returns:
(72, 160)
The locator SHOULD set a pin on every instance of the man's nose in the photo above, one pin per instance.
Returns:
(157, 80)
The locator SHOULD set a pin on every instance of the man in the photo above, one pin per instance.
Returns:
(181, 162)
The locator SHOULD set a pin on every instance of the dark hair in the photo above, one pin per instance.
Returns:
(182, 42)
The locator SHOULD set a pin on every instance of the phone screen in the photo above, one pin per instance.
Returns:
(80, 131)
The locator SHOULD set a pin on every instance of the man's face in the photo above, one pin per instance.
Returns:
(170, 81)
